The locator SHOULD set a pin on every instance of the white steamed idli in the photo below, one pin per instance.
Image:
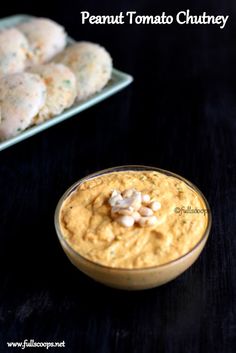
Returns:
(22, 96)
(91, 64)
(61, 89)
(14, 51)
(46, 39)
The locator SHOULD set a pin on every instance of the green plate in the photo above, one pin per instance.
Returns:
(119, 80)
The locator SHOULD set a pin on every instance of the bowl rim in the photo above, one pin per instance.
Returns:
(123, 168)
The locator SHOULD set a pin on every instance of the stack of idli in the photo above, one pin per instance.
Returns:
(40, 77)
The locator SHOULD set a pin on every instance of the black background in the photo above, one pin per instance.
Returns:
(179, 114)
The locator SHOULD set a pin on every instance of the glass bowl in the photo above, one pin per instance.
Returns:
(136, 278)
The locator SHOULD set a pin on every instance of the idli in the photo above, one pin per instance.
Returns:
(14, 51)
(46, 39)
(22, 96)
(91, 64)
(61, 89)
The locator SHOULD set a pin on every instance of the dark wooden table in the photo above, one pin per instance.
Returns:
(179, 114)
